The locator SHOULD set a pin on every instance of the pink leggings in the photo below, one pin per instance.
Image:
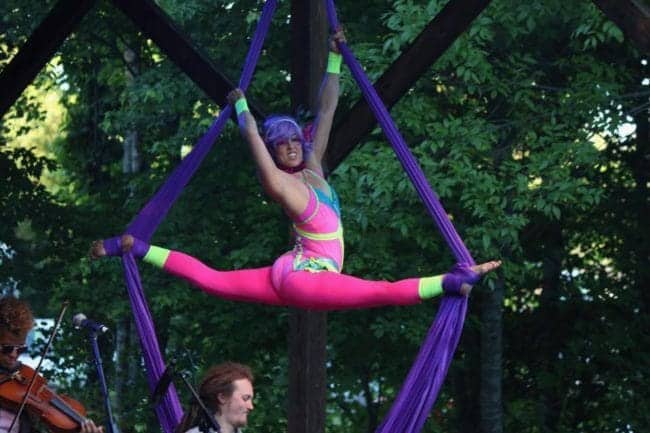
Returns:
(280, 285)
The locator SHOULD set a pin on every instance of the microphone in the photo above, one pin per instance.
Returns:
(81, 321)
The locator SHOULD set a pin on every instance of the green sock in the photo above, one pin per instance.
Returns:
(156, 256)
(430, 287)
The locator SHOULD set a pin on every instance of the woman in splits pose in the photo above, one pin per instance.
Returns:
(309, 276)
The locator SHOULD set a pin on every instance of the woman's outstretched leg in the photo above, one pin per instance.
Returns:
(278, 285)
(333, 291)
(248, 285)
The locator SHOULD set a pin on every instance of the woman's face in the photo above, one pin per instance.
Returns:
(11, 347)
(234, 409)
(288, 153)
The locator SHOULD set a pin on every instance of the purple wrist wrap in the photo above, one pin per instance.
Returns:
(459, 274)
(113, 247)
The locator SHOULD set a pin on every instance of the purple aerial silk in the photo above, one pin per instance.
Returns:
(423, 383)
(145, 223)
(414, 401)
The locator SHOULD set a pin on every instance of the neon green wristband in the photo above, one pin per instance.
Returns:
(334, 62)
(240, 106)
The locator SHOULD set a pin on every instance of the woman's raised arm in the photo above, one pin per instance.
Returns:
(284, 188)
(327, 102)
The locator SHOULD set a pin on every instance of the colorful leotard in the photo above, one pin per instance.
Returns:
(317, 233)
(309, 275)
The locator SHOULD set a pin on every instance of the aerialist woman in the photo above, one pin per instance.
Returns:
(309, 276)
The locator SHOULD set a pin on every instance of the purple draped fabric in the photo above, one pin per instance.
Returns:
(423, 383)
(145, 223)
(414, 401)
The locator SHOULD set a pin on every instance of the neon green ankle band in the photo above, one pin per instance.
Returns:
(240, 106)
(156, 256)
(334, 63)
(430, 287)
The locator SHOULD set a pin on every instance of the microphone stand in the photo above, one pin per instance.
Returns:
(112, 426)
(161, 389)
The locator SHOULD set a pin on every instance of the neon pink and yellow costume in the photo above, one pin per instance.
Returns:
(308, 276)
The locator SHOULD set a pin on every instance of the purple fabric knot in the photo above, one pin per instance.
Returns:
(113, 247)
(140, 248)
(459, 274)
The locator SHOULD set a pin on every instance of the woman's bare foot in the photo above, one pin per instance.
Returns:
(481, 269)
(98, 250)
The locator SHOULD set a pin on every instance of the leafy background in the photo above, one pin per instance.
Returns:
(532, 128)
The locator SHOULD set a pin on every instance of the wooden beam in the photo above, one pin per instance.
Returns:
(632, 16)
(430, 44)
(39, 49)
(180, 49)
(307, 329)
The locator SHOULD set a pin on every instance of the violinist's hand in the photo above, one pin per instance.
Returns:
(89, 427)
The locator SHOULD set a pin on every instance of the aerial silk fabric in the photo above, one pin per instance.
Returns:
(423, 382)
(420, 389)
(145, 223)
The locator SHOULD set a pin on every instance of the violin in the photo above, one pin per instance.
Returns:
(60, 413)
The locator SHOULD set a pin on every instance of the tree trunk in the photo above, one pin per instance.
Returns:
(307, 329)
(491, 336)
(131, 157)
(553, 328)
(491, 406)
(124, 338)
(121, 357)
(640, 242)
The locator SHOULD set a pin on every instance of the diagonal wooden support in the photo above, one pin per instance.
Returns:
(158, 26)
(430, 44)
(632, 16)
(39, 49)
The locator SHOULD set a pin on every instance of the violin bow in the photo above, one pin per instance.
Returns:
(64, 306)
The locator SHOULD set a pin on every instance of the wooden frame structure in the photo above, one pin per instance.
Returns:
(632, 16)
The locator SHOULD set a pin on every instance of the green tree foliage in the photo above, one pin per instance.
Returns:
(33, 222)
(517, 128)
